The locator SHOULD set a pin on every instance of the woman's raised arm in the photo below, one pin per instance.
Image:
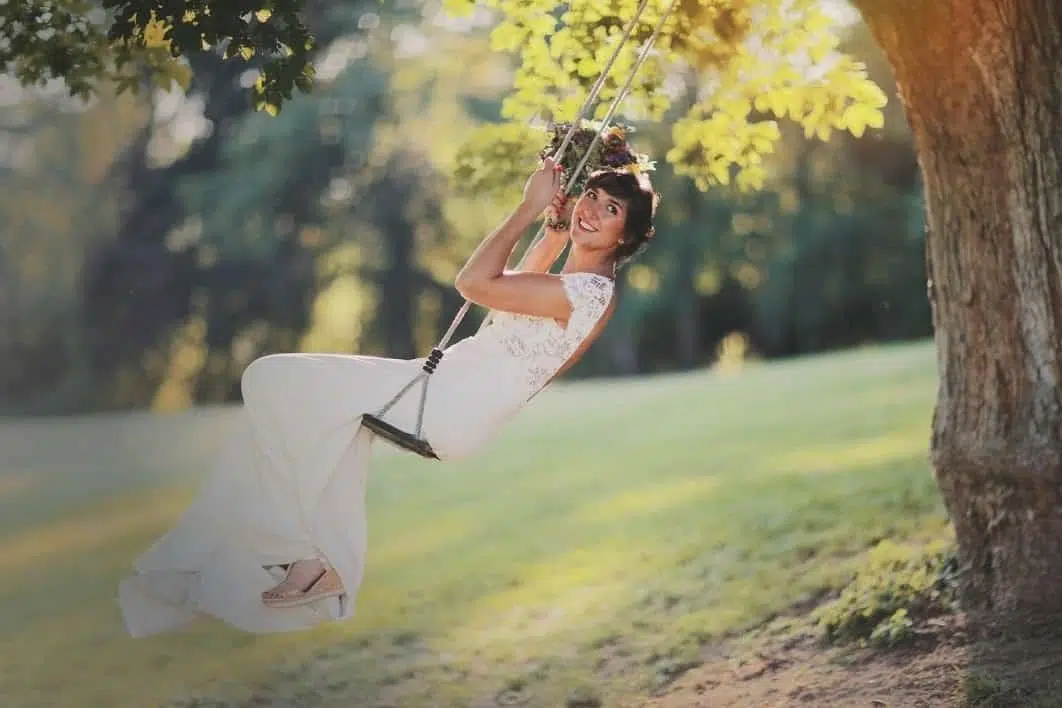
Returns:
(484, 279)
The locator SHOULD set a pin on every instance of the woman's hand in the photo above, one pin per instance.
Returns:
(543, 186)
(559, 212)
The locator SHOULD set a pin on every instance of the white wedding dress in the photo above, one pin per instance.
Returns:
(291, 483)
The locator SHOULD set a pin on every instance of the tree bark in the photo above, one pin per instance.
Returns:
(981, 83)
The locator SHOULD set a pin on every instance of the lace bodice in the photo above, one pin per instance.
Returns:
(540, 344)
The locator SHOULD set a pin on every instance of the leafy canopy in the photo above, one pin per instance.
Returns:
(82, 42)
(749, 63)
(722, 71)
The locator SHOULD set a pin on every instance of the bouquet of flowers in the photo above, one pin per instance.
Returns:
(611, 151)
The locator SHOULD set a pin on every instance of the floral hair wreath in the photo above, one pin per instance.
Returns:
(611, 152)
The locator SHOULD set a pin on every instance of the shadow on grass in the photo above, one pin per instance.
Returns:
(623, 586)
(608, 606)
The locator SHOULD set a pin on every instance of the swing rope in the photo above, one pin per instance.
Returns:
(591, 97)
(414, 442)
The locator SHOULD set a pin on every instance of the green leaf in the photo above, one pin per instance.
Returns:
(745, 55)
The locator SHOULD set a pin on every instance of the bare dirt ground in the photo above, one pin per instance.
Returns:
(941, 668)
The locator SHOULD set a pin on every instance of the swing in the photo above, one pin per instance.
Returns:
(412, 441)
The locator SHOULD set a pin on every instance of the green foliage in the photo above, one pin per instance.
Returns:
(44, 40)
(983, 688)
(755, 61)
(497, 159)
(845, 266)
(73, 41)
(272, 29)
(755, 58)
(269, 159)
(896, 586)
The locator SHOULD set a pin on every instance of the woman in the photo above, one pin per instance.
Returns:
(276, 539)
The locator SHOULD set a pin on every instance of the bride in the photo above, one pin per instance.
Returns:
(276, 539)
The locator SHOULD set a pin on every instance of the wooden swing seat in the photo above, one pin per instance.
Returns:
(398, 437)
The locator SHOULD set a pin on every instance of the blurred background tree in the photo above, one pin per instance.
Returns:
(160, 239)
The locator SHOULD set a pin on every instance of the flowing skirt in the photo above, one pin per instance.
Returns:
(291, 483)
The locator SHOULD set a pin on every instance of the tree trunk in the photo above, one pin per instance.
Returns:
(981, 82)
(391, 198)
(687, 309)
(618, 340)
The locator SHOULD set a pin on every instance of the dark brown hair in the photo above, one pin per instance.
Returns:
(637, 193)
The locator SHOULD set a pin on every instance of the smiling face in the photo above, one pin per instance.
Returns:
(598, 220)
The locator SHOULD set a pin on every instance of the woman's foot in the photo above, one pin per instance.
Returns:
(307, 581)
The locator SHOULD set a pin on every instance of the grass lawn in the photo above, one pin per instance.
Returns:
(614, 530)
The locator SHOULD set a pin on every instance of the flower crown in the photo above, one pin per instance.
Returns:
(610, 152)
